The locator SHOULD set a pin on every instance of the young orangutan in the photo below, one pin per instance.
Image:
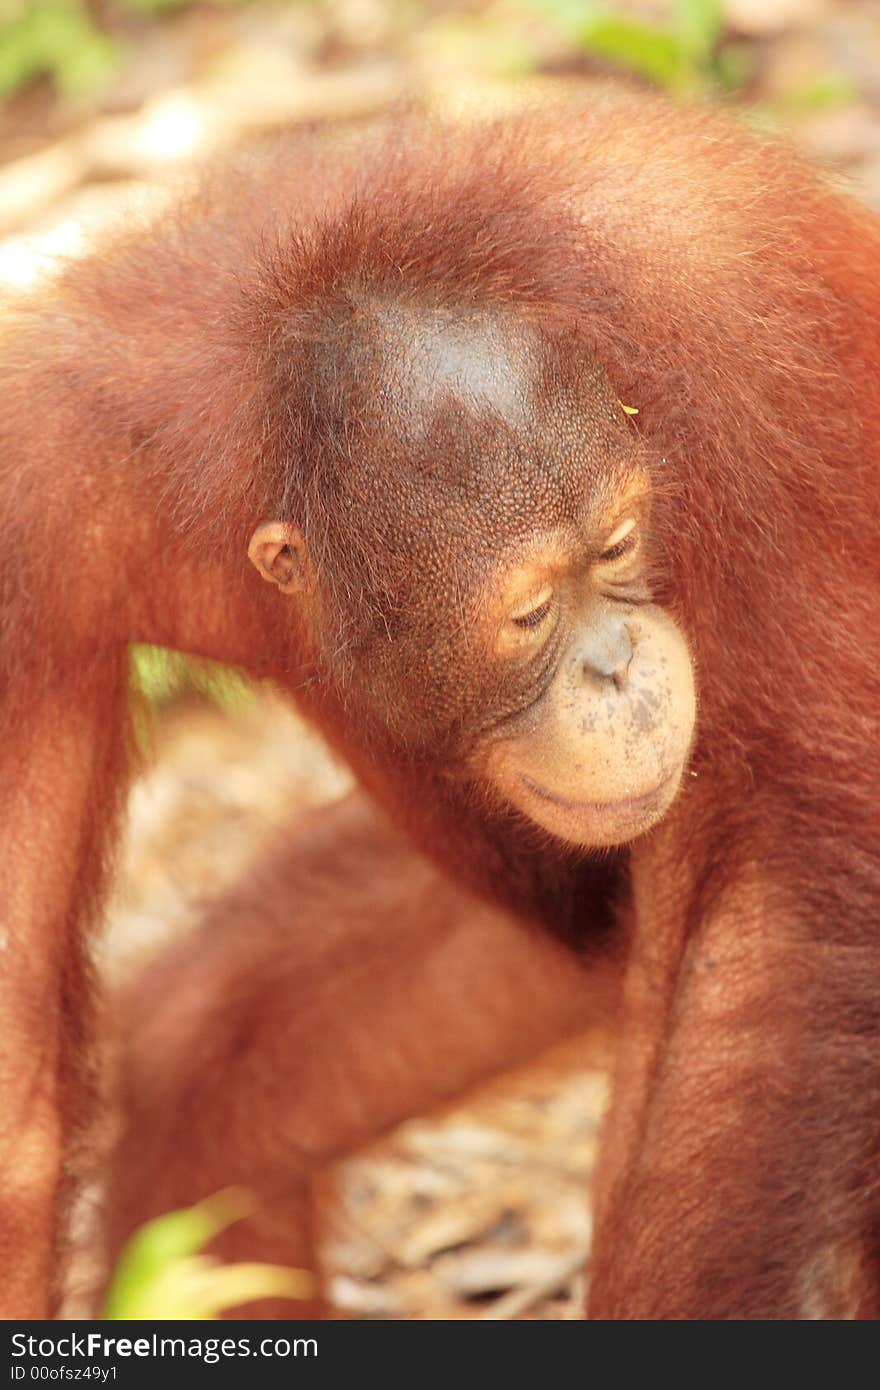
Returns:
(399, 381)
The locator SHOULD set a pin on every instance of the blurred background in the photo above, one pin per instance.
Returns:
(484, 1211)
(99, 97)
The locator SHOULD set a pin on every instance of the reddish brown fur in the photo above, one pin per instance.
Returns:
(153, 409)
(344, 986)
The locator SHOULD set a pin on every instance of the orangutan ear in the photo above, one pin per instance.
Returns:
(278, 551)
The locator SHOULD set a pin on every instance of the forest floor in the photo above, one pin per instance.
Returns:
(484, 1211)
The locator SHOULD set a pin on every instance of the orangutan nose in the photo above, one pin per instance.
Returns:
(606, 653)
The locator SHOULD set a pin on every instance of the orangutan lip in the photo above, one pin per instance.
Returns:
(634, 803)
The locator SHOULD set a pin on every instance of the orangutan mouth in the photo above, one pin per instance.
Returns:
(594, 808)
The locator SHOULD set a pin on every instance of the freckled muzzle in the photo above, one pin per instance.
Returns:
(606, 750)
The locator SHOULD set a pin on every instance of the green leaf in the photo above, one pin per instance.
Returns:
(640, 47)
(161, 1273)
(697, 28)
(54, 37)
(820, 94)
(159, 674)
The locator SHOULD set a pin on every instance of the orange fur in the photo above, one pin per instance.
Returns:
(159, 400)
(342, 987)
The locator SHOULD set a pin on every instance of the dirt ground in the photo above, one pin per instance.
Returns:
(483, 1212)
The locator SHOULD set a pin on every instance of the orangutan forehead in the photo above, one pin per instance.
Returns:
(486, 426)
(479, 359)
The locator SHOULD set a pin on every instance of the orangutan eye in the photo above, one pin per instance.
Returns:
(532, 619)
(621, 541)
(534, 613)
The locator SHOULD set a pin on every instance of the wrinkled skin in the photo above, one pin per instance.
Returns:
(509, 569)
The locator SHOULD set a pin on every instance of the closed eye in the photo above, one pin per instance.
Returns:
(615, 552)
(621, 541)
(534, 611)
(532, 619)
